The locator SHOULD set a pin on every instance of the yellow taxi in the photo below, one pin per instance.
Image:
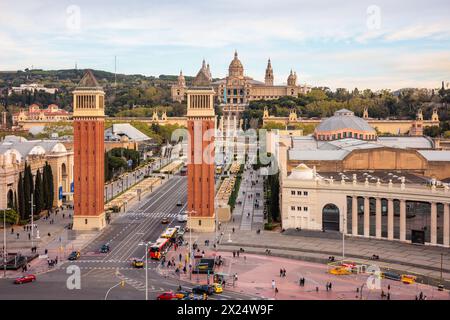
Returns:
(137, 263)
(217, 288)
(339, 271)
(408, 279)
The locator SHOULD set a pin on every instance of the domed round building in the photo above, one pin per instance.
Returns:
(344, 124)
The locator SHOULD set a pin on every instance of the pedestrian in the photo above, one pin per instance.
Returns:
(18, 235)
(180, 256)
(284, 272)
(317, 289)
(276, 291)
(273, 284)
(29, 236)
(326, 286)
(237, 252)
(46, 251)
(388, 296)
(233, 229)
(12, 230)
(281, 272)
(389, 287)
(330, 285)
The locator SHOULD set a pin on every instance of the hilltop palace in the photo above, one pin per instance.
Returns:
(234, 92)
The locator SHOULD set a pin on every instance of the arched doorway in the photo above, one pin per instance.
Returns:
(10, 198)
(330, 218)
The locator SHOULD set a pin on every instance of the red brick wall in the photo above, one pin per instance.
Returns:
(88, 167)
(201, 168)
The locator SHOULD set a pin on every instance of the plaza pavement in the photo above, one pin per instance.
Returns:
(256, 272)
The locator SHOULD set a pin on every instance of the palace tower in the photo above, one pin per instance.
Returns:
(201, 128)
(89, 149)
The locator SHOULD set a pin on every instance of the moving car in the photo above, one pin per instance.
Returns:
(167, 296)
(104, 248)
(165, 220)
(74, 255)
(182, 217)
(193, 297)
(182, 294)
(391, 275)
(137, 263)
(217, 288)
(203, 289)
(339, 271)
(25, 279)
(408, 279)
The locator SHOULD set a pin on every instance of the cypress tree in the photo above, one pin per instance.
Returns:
(27, 190)
(51, 191)
(21, 197)
(16, 205)
(45, 187)
(38, 195)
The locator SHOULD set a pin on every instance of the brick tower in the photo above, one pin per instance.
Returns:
(201, 127)
(89, 150)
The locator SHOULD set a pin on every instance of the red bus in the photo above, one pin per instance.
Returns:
(159, 248)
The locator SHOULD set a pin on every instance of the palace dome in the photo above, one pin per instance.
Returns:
(344, 124)
(236, 68)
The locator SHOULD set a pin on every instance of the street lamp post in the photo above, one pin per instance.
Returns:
(146, 267)
(343, 235)
(4, 243)
(190, 241)
(32, 222)
(121, 283)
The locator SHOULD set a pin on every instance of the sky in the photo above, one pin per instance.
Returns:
(355, 43)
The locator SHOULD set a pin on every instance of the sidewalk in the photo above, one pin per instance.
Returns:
(59, 244)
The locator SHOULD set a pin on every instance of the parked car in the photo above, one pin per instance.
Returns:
(340, 271)
(74, 255)
(104, 248)
(25, 279)
(203, 289)
(167, 296)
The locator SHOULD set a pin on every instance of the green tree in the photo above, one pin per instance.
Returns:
(50, 188)
(27, 189)
(38, 193)
(11, 216)
(20, 192)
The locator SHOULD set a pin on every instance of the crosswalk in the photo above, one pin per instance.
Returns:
(151, 214)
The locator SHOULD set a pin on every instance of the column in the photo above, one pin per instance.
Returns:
(366, 217)
(402, 220)
(355, 215)
(433, 224)
(446, 225)
(378, 217)
(390, 221)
